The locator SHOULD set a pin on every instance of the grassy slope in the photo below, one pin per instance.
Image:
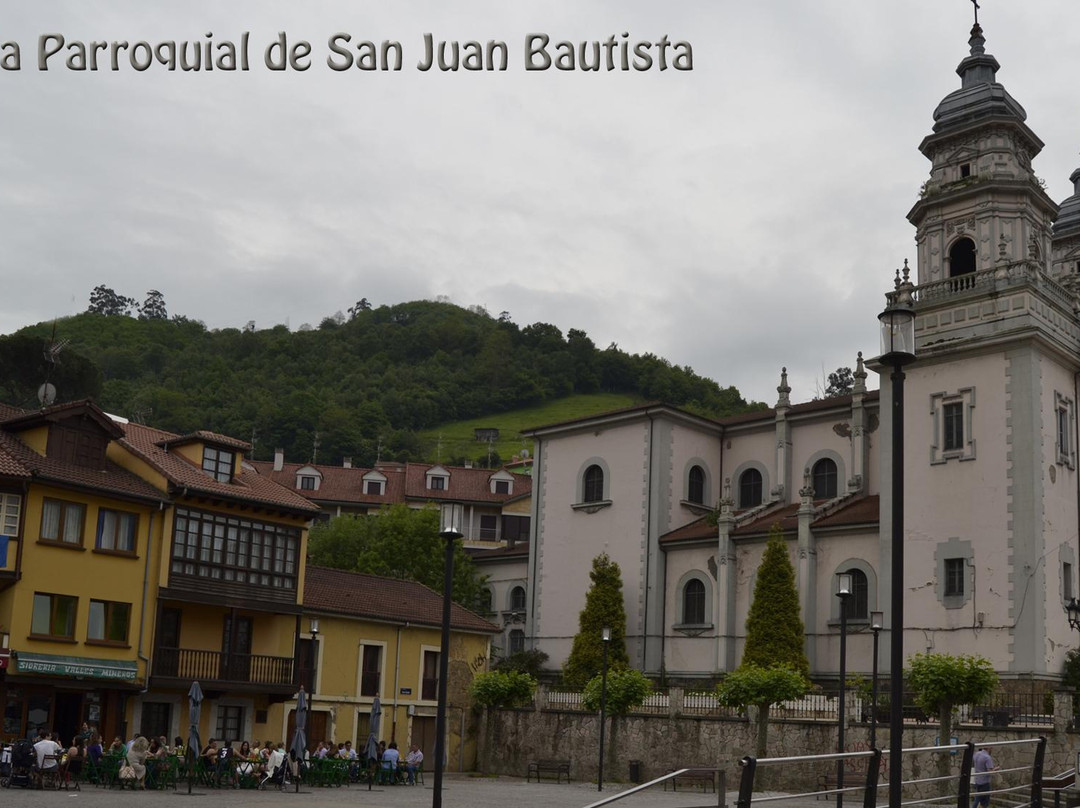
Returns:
(457, 437)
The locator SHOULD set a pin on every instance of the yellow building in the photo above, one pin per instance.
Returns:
(231, 575)
(381, 637)
(80, 541)
(136, 561)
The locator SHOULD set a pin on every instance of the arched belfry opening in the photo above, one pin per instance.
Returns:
(962, 257)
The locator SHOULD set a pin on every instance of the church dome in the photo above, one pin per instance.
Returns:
(980, 96)
(1068, 220)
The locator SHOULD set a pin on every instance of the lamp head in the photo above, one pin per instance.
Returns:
(451, 518)
(605, 634)
(877, 621)
(314, 626)
(843, 585)
(897, 324)
(1073, 610)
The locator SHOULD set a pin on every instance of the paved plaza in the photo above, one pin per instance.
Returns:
(458, 792)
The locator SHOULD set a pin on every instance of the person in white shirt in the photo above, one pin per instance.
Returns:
(412, 763)
(47, 746)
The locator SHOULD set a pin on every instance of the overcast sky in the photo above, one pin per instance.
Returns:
(739, 217)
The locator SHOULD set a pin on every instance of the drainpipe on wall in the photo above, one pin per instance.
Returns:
(21, 532)
(397, 674)
(648, 548)
(145, 592)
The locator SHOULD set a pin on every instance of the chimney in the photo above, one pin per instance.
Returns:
(279, 459)
(346, 462)
(468, 464)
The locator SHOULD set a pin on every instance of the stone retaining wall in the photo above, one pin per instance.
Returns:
(510, 739)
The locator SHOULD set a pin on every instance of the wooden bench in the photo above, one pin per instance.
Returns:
(703, 776)
(556, 767)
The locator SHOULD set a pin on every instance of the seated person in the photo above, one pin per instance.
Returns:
(412, 763)
(391, 757)
(225, 768)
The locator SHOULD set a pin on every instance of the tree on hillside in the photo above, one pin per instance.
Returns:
(104, 300)
(153, 308)
(604, 607)
(774, 666)
(398, 542)
(361, 305)
(774, 629)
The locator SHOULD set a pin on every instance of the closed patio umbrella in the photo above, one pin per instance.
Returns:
(299, 740)
(371, 749)
(194, 742)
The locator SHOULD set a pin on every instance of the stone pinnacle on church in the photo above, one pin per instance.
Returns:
(784, 390)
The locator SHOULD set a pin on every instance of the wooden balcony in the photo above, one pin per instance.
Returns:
(218, 672)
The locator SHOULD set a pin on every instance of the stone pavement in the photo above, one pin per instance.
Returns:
(459, 791)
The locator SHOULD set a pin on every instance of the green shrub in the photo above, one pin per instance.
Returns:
(502, 689)
(626, 689)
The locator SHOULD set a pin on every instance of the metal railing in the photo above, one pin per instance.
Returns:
(950, 789)
(721, 790)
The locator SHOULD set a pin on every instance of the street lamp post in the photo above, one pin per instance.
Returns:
(450, 521)
(877, 620)
(897, 349)
(605, 640)
(843, 591)
(314, 631)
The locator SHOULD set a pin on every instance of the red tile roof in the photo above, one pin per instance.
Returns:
(785, 516)
(861, 511)
(693, 531)
(338, 484)
(19, 460)
(404, 481)
(871, 396)
(147, 442)
(7, 411)
(357, 594)
(204, 436)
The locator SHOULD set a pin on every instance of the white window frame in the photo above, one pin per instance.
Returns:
(965, 396)
(10, 514)
(1065, 416)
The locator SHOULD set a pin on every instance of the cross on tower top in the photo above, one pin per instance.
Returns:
(976, 4)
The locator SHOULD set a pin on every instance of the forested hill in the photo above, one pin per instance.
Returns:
(362, 384)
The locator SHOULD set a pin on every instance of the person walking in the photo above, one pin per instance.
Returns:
(984, 764)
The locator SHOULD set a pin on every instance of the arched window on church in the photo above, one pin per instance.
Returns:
(517, 599)
(693, 602)
(962, 257)
(824, 477)
(696, 487)
(857, 606)
(593, 487)
(750, 488)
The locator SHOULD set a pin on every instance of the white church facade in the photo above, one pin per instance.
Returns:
(685, 504)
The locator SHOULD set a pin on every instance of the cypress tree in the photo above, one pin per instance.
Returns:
(603, 607)
(774, 629)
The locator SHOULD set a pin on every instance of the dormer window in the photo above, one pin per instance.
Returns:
(374, 484)
(218, 463)
(307, 483)
(438, 478)
(501, 483)
(308, 478)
